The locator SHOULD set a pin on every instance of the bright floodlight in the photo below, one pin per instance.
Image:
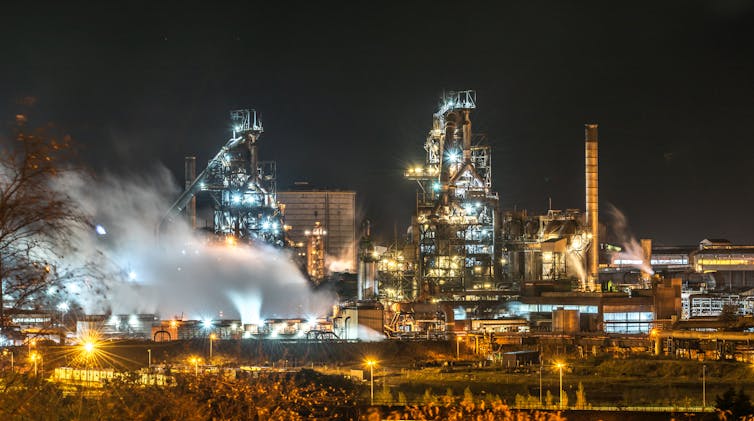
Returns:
(100, 230)
(236, 198)
(64, 307)
(207, 323)
(89, 347)
(453, 156)
(131, 276)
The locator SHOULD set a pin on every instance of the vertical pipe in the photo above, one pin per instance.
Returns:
(254, 158)
(447, 166)
(365, 250)
(189, 177)
(592, 206)
(360, 280)
(466, 125)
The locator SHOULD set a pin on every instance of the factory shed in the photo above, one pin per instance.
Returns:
(520, 358)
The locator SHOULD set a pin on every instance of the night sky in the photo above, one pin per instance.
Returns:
(347, 91)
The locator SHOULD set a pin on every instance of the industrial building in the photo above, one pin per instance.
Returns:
(466, 266)
(333, 211)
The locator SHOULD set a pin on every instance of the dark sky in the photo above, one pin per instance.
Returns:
(347, 91)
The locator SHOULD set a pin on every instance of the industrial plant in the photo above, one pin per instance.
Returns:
(467, 269)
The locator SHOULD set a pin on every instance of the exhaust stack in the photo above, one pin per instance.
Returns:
(592, 204)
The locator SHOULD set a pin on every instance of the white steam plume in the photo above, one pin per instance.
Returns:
(178, 273)
(342, 263)
(632, 250)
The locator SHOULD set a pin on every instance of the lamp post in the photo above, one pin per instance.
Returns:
(88, 348)
(704, 386)
(195, 361)
(34, 356)
(458, 347)
(371, 363)
(149, 361)
(560, 366)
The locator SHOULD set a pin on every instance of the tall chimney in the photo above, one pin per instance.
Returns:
(592, 203)
(189, 177)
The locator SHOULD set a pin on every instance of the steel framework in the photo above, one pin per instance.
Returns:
(454, 230)
(241, 187)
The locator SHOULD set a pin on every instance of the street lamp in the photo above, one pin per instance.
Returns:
(371, 364)
(32, 343)
(560, 366)
(195, 361)
(212, 337)
(34, 357)
(88, 348)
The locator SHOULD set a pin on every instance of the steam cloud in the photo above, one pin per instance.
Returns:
(178, 274)
(631, 248)
(343, 262)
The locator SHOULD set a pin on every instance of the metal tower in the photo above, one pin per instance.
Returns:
(456, 214)
(315, 253)
(241, 188)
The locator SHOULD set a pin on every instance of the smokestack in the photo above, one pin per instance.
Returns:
(189, 177)
(592, 203)
(363, 275)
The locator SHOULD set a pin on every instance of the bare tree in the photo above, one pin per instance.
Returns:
(37, 218)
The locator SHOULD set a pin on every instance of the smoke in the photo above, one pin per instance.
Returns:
(342, 263)
(631, 249)
(367, 334)
(180, 273)
(576, 262)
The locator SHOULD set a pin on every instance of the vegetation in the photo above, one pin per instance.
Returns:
(36, 216)
(732, 405)
(274, 396)
(268, 397)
